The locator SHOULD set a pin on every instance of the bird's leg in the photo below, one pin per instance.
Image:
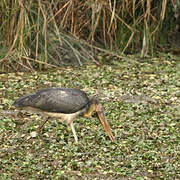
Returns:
(74, 132)
(41, 126)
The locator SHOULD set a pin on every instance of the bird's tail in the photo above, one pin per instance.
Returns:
(22, 102)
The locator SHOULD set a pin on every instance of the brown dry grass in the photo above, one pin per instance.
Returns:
(39, 33)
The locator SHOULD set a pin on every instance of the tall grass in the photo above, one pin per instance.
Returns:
(41, 34)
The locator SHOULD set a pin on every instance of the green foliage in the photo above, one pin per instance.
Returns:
(141, 101)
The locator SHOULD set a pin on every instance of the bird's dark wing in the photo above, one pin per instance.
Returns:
(62, 100)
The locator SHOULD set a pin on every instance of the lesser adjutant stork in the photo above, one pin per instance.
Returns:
(65, 104)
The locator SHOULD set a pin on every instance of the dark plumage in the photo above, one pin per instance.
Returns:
(64, 103)
(59, 100)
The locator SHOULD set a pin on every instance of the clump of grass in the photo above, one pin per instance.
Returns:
(41, 34)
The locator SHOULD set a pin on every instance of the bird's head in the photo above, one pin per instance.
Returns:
(95, 106)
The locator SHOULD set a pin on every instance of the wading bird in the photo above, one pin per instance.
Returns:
(65, 104)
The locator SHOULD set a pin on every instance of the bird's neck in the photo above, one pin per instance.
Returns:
(90, 111)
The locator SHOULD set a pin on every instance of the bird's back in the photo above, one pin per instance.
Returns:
(60, 100)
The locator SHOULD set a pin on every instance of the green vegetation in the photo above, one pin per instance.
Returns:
(141, 99)
(141, 96)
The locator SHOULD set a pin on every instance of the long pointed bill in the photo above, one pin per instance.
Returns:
(103, 121)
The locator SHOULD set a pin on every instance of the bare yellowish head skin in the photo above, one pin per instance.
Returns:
(104, 122)
(90, 111)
